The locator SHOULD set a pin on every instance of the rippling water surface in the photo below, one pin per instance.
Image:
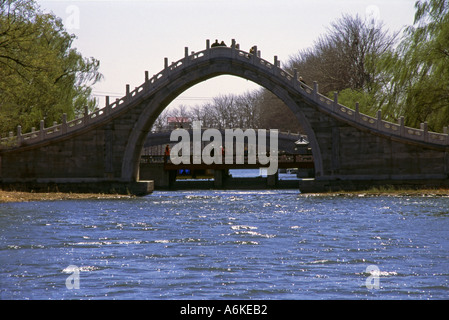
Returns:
(226, 245)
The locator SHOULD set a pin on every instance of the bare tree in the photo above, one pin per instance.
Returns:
(253, 109)
(346, 56)
(248, 109)
(160, 122)
(274, 114)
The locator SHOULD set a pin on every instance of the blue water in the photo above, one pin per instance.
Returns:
(227, 245)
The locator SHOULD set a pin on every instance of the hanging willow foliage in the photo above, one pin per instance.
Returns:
(41, 75)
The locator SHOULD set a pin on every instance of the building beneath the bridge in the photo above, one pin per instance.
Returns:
(178, 122)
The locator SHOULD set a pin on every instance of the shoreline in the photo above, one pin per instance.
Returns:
(21, 196)
(391, 192)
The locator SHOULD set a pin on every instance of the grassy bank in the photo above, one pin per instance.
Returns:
(390, 191)
(16, 196)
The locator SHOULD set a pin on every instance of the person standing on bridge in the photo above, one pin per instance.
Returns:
(166, 153)
(252, 51)
(217, 44)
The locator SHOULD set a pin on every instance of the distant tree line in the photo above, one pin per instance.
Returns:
(254, 109)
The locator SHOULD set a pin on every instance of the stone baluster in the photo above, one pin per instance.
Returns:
(315, 90)
(335, 104)
(107, 105)
(379, 119)
(425, 131)
(41, 130)
(166, 70)
(446, 131)
(64, 123)
(186, 56)
(19, 135)
(146, 85)
(402, 126)
(295, 80)
(357, 112)
(86, 115)
(233, 48)
(127, 97)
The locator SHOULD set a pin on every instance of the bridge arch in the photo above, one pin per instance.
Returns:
(220, 63)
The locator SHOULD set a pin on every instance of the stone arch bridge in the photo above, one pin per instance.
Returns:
(101, 150)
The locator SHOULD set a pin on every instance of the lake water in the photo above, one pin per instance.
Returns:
(274, 244)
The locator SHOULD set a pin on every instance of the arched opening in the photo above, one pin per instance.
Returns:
(227, 102)
(180, 83)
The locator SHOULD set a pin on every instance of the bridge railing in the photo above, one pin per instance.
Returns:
(378, 124)
(166, 130)
(284, 158)
(161, 79)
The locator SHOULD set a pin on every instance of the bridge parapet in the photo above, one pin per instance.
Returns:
(131, 98)
(377, 124)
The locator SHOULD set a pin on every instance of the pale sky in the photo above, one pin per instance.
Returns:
(130, 37)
